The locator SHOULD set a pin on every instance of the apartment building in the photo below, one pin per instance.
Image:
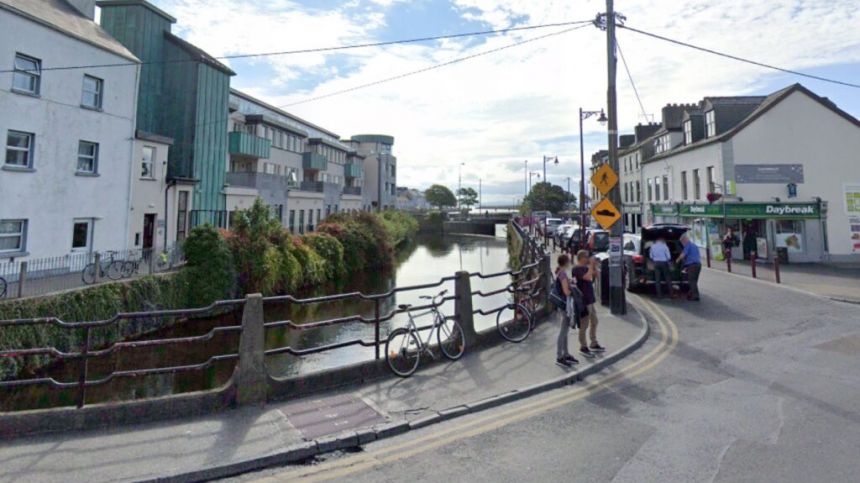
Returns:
(301, 170)
(783, 170)
(380, 169)
(69, 134)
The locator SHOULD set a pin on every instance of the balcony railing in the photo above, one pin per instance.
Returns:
(314, 161)
(244, 144)
(352, 190)
(314, 186)
(352, 170)
(260, 181)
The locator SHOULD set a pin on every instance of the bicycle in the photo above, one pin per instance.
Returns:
(404, 347)
(110, 268)
(3, 286)
(130, 267)
(517, 328)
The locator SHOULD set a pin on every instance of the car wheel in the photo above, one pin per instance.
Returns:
(632, 283)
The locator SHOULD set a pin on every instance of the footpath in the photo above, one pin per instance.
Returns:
(837, 281)
(281, 432)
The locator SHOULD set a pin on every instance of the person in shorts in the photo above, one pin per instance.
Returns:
(585, 273)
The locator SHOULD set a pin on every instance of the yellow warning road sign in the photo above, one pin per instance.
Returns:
(605, 213)
(604, 179)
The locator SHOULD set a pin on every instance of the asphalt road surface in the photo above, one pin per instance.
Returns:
(755, 383)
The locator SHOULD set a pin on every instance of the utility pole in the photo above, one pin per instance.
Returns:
(526, 181)
(617, 302)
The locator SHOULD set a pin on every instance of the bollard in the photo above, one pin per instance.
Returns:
(22, 279)
(708, 255)
(752, 264)
(250, 377)
(97, 269)
(776, 269)
(729, 262)
(463, 306)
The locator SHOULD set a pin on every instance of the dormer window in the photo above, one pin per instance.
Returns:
(662, 144)
(688, 132)
(710, 124)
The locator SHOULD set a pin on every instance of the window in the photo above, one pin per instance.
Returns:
(27, 74)
(93, 92)
(146, 168)
(665, 188)
(710, 174)
(81, 235)
(88, 157)
(697, 190)
(688, 132)
(310, 220)
(319, 212)
(12, 235)
(19, 149)
(301, 221)
(625, 193)
(182, 216)
(638, 192)
(650, 189)
(292, 224)
(710, 124)
(684, 192)
(657, 189)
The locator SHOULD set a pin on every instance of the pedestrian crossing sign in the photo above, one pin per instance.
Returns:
(604, 179)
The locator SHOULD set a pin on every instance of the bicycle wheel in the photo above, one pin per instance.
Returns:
(88, 275)
(514, 323)
(129, 269)
(114, 270)
(2, 287)
(402, 352)
(451, 338)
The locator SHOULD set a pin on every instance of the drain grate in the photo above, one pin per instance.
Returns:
(322, 417)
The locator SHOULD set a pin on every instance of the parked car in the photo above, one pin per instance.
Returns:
(551, 224)
(597, 241)
(563, 234)
(640, 268)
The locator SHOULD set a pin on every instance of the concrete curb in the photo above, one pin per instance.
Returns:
(351, 439)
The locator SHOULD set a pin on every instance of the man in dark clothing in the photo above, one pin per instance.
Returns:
(729, 241)
(749, 244)
(692, 261)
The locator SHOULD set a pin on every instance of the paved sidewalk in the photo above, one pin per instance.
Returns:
(179, 447)
(836, 281)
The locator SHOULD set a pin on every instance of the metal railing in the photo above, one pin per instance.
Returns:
(40, 276)
(529, 281)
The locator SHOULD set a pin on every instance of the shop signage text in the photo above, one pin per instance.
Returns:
(742, 210)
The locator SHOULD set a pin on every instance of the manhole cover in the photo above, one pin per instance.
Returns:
(321, 417)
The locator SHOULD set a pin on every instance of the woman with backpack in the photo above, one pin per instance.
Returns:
(560, 296)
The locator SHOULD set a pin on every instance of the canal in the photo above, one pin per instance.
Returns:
(427, 260)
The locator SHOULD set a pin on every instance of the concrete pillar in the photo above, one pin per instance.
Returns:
(463, 307)
(250, 377)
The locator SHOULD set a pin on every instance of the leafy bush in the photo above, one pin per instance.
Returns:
(289, 270)
(313, 266)
(401, 226)
(209, 272)
(256, 258)
(367, 244)
(331, 252)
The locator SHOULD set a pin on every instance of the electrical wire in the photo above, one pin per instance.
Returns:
(432, 67)
(630, 77)
(739, 59)
(323, 49)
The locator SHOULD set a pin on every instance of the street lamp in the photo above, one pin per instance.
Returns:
(533, 173)
(545, 159)
(583, 115)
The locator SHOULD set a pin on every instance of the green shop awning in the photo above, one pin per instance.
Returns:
(747, 211)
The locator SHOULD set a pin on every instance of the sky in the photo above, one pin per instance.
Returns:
(498, 110)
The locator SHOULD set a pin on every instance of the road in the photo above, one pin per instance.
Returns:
(754, 383)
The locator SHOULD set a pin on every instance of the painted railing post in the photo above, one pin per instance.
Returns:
(463, 306)
(22, 278)
(250, 377)
(98, 268)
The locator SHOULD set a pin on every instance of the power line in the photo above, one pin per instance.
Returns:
(432, 67)
(323, 49)
(630, 77)
(740, 59)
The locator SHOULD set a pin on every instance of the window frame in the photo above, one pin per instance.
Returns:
(94, 158)
(21, 235)
(709, 173)
(710, 124)
(89, 234)
(688, 131)
(151, 163)
(684, 187)
(29, 150)
(665, 187)
(37, 74)
(697, 185)
(99, 94)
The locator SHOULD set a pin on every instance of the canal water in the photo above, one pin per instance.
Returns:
(427, 260)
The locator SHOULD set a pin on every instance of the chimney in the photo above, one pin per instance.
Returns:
(626, 140)
(87, 8)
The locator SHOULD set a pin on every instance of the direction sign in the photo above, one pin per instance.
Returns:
(604, 179)
(605, 213)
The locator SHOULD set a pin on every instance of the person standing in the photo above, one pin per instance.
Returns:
(661, 257)
(729, 241)
(585, 273)
(692, 261)
(562, 353)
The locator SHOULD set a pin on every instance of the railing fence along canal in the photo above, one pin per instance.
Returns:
(251, 381)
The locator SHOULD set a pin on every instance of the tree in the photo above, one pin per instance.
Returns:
(549, 197)
(440, 196)
(468, 197)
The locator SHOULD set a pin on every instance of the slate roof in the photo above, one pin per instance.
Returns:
(197, 52)
(64, 18)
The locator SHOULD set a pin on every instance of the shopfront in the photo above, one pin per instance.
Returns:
(765, 230)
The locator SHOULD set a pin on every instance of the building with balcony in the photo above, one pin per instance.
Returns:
(380, 170)
(302, 171)
(65, 175)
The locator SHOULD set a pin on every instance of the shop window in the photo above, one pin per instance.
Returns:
(789, 235)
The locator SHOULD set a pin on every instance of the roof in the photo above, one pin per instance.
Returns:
(59, 15)
(330, 143)
(281, 112)
(266, 119)
(199, 53)
(763, 107)
(374, 138)
(142, 3)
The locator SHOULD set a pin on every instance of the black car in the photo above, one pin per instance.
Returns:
(640, 268)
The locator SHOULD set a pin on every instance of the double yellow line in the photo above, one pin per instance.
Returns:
(389, 454)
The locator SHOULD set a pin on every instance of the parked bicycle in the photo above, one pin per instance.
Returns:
(110, 268)
(404, 346)
(516, 321)
(130, 267)
(3, 286)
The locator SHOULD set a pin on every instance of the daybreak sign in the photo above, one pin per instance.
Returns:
(752, 211)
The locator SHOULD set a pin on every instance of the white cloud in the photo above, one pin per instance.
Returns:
(492, 112)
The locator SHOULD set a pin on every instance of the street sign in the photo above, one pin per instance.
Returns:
(605, 213)
(604, 179)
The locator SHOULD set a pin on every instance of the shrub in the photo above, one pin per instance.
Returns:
(331, 252)
(313, 265)
(289, 275)
(256, 259)
(209, 272)
(401, 226)
(367, 244)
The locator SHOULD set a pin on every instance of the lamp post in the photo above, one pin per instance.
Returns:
(583, 115)
(545, 159)
(526, 178)
(532, 173)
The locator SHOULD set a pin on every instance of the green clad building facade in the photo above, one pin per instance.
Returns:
(183, 94)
